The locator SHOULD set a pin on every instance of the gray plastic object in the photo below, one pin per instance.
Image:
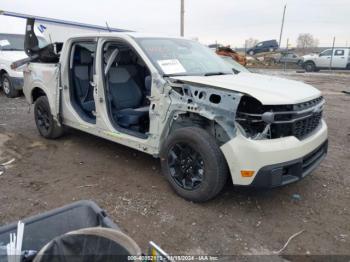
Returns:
(41, 229)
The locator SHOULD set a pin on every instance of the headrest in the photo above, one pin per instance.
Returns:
(118, 75)
(124, 58)
(84, 56)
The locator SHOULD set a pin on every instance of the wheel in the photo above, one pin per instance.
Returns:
(44, 120)
(309, 67)
(271, 49)
(348, 67)
(251, 52)
(8, 88)
(193, 164)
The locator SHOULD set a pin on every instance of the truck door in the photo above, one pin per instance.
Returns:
(78, 82)
(339, 59)
(324, 59)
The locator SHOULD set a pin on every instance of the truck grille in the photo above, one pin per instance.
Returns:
(306, 126)
(299, 120)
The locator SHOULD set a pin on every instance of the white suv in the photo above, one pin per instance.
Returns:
(11, 50)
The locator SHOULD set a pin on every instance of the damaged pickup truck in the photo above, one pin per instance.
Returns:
(176, 100)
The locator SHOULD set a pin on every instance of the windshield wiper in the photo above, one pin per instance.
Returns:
(173, 75)
(216, 74)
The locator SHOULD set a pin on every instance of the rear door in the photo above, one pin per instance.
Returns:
(78, 95)
(339, 59)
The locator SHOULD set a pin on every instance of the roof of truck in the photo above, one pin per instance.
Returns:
(131, 34)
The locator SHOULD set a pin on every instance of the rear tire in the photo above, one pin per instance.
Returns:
(44, 120)
(309, 67)
(251, 53)
(193, 164)
(7, 87)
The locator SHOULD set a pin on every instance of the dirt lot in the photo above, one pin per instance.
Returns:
(129, 185)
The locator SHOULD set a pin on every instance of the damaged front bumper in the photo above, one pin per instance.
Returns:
(275, 162)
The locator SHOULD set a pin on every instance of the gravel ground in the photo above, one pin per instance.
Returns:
(129, 186)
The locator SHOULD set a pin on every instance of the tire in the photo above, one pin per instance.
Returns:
(309, 67)
(348, 67)
(251, 53)
(44, 120)
(7, 87)
(203, 159)
(271, 49)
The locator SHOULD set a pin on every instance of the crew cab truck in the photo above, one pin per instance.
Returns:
(11, 50)
(178, 101)
(337, 58)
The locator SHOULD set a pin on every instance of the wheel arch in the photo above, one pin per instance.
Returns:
(36, 93)
(2, 72)
(309, 61)
(190, 119)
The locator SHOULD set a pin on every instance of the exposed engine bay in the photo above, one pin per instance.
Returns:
(270, 122)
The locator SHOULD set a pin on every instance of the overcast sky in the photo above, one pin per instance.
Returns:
(225, 21)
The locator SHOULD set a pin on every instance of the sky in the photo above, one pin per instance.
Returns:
(225, 21)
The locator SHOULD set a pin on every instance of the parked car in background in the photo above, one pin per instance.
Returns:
(337, 58)
(289, 58)
(265, 46)
(11, 50)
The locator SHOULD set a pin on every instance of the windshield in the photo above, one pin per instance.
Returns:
(236, 67)
(181, 57)
(10, 42)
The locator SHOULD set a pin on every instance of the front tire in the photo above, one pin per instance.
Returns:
(251, 53)
(193, 164)
(45, 123)
(310, 67)
(8, 87)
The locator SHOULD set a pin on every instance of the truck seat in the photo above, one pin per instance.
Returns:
(126, 96)
(82, 77)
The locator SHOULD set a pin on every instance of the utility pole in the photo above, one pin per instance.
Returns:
(182, 29)
(284, 14)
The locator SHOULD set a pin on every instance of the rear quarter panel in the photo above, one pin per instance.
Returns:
(45, 77)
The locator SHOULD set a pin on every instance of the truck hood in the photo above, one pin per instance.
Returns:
(269, 90)
(12, 56)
